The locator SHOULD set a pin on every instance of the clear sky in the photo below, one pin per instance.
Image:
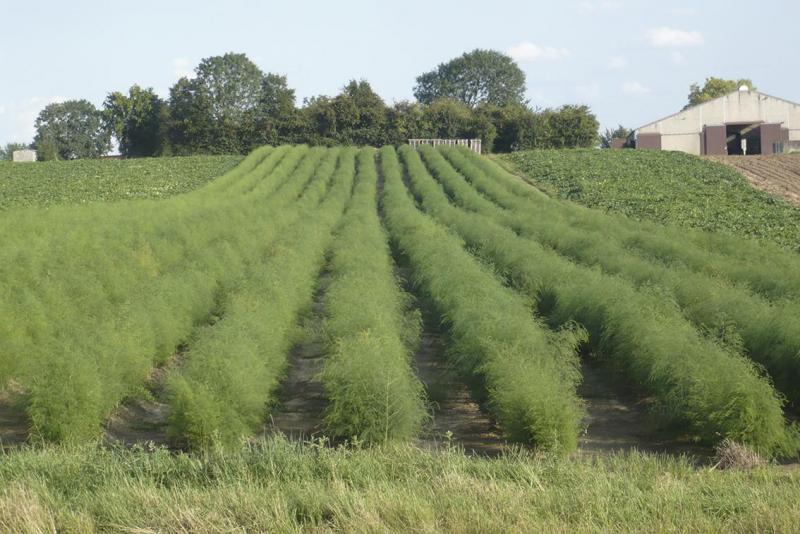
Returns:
(632, 61)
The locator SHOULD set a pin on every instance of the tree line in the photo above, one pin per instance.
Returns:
(231, 106)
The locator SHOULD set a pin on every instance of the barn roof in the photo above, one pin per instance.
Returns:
(713, 100)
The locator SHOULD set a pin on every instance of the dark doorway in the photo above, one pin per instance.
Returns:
(749, 133)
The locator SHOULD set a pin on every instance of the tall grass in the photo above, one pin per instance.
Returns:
(714, 391)
(222, 392)
(768, 331)
(281, 486)
(530, 373)
(371, 388)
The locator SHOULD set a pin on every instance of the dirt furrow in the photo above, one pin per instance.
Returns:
(301, 398)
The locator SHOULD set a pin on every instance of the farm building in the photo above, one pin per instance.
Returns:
(23, 155)
(744, 122)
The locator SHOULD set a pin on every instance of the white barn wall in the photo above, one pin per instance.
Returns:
(682, 131)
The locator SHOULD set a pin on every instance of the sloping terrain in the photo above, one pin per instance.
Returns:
(664, 187)
(50, 183)
(777, 175)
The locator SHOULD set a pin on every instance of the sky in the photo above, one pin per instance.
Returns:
(631, 61)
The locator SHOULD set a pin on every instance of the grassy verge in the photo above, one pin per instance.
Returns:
(275, 485)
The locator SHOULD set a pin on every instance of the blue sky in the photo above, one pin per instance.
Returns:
(632, 61)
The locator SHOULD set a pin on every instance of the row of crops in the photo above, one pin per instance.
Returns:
(208, 288)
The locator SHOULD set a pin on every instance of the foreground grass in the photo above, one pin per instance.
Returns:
(103, 180)
(275, 485)
(666, 187)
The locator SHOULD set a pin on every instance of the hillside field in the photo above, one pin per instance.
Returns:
(351, 338)
(104, 180)
(664, 187)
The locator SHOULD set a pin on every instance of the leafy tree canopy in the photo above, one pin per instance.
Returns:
(216, 110)
(715, 88)
(71, 130)
(477, 77)
(571, 126)
(356, 116)
(136, 120)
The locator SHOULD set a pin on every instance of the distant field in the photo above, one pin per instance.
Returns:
(665, 187)
(78, 182)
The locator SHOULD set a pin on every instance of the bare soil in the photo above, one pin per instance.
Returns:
(618, 418)
(301, 398)
(457, 419)
(778, 175)
(14, 424)
(145, 419)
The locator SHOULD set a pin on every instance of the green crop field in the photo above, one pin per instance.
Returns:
(92, 180)
(361, 339)
(665, 187)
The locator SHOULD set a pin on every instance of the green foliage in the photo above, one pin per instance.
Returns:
(371, 388)
(84, 181)
(530, 374)
(716, 392)
(277, 120)
(665, 187)
(71, 130)
(276, 485)
(233, 366)
(7, 152)
(47, 150)
(769, 331)
(137, 120)
(620, 132)
(714, 88)
(477, 77)
(231, 107)
(127, 283)
(357, 116)
(215, 111)
(570, 127)
(98, 296)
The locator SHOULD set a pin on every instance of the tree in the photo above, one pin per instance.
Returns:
(276, 117)
(517, 126)
(356, 116)
(137, 121)
(477, 77)
(216, 111)
(715, 88)
(407, 120)
(361, 113)
(7, 152)
(450, 118)
(71, 130)
(619, 133)
(571, 126)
